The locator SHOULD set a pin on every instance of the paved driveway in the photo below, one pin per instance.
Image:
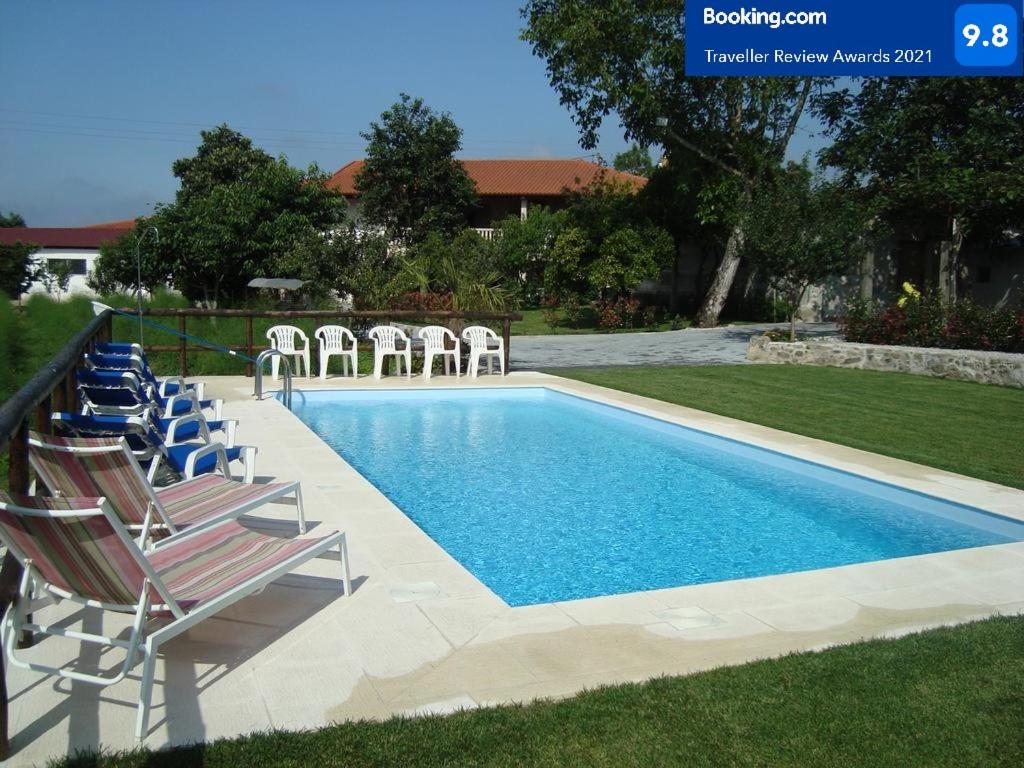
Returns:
(695, 346)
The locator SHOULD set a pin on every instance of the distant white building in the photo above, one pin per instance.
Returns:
(79, 246)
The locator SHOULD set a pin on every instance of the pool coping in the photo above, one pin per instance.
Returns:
(422, 635)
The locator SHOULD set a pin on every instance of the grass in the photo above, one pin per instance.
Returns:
(972, 429)
(947, 697)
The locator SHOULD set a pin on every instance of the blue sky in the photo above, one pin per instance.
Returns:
(100, 97)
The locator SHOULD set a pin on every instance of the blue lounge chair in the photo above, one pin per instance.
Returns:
(130, 357)
(122, 393)
(152, 447)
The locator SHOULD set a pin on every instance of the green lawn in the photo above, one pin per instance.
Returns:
(950, 697)
(968, 428)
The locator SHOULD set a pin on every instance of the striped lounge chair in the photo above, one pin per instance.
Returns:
(76, 549)
(71, 466)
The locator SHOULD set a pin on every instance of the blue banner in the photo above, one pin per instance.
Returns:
(854, 37)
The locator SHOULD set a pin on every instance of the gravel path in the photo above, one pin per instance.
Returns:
(693, 346)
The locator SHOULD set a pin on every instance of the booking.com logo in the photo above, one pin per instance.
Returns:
(773, 19)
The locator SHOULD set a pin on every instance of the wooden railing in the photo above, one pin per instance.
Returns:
(319, 316)
(53, 387)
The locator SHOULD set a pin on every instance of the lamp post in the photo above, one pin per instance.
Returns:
(138, 267)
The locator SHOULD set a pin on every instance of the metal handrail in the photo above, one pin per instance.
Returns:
(258, 389)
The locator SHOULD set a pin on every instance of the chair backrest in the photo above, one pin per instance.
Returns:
(75, 545)
(113, 361)
(143, 435)
(386, 337)
(120, 348)
(112, 390)
(477, 336)
(96, 466)
(333, 337)
(434, 337)
(283, 337)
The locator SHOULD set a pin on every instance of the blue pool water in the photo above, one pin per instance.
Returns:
(544, 496)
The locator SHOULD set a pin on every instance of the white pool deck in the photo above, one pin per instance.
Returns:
(421, 635)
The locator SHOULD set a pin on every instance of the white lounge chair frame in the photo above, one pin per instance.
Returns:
(385, 343)
(434, 338)
(282, 338)
(332, 340)
(158, 516)
(479, 338)
(138, 640)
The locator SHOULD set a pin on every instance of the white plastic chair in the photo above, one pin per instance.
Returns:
(332, 340)
(386, 340)
(434, 343)
(479, 339)
(282, 337)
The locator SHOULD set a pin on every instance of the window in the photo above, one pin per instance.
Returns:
(78, 266)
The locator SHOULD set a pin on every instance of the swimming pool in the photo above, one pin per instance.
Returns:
(545, 496)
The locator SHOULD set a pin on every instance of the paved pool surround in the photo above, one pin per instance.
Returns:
(421, 635)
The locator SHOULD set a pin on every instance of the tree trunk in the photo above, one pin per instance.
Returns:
(715, 298)
(956, 276)
(673, 302)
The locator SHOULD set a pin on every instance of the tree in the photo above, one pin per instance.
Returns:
(16, 270)
(801, 231)
(627, 257)
(628, 58)
(55, 275)
(565, 274)
(635, 160)
(11, 219)
(238, 214)
(522, 250)
(411, 184)
(946, 154)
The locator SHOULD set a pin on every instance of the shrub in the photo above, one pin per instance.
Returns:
(572, 310)
(930, 321)
(422, 302)
(618, 313)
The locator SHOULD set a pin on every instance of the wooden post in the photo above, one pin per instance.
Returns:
(248, 345)
(182, 347)
(59, 398)
(108, 328)
(71, 392)
(506, 337)
(43, 411)
(315, 349)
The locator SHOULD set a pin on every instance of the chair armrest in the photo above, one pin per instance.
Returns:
(195, 416)
(206, 450)
(180, 381)
(186, 395)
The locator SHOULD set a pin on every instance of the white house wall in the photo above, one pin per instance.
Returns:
(78, 283)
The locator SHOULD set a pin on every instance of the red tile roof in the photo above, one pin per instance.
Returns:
(513, 177)
(59, 237)
(120, 224)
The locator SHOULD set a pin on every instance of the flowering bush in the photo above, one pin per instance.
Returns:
(927, 320)
(618, 313)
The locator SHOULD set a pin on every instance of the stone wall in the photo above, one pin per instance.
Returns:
(1000, 368)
